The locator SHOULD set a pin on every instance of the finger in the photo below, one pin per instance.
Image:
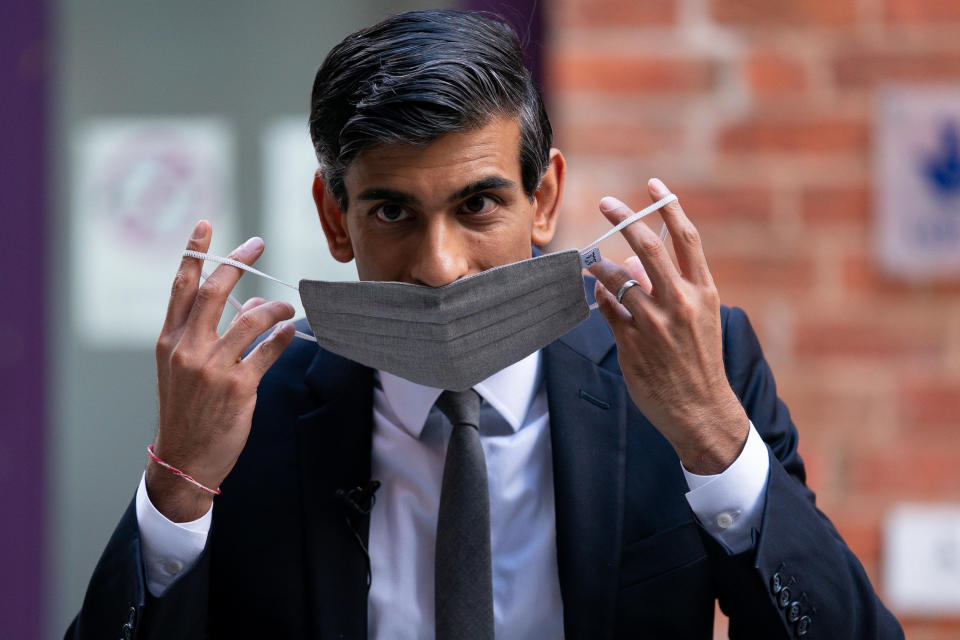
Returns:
(644, 243)
(247, 326)
(267, 352)
(233, 301)
(686, 238)
(246, 306)
(250, 324)
(212, 295)
(185, 283)
(635, 268)
(616, 314)
(635, 300)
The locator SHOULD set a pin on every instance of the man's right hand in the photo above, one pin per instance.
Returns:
(206, 388)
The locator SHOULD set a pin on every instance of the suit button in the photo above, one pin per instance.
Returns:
(783, 598)
(776, 583)
(803, 625)
(793, 612)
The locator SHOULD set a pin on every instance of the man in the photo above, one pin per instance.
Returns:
(633, 477)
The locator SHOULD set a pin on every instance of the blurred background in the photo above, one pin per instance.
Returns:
(815, 143)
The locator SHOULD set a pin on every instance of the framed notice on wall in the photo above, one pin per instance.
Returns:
(139, 186)
(917, 183)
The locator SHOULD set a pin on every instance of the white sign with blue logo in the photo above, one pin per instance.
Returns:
(917, 187)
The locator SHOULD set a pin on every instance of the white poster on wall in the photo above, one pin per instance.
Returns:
(139, 187)
(295, 246)
(921, 559)
(917, 183)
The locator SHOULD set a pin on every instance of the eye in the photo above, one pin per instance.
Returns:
(479, 204)
(391, 212)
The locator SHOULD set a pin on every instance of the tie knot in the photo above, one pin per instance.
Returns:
(460, 407)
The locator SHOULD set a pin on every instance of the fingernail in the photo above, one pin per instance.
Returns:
(609, 203)
(253, 243)
(656, 185)
(199, 231)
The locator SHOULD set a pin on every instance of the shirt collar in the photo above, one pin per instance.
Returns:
(509, 391)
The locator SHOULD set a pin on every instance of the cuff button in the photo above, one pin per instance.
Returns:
(776, 583)
(171, 567)
(725, 519)
(783, 598)
(793, 612)
(803, 626)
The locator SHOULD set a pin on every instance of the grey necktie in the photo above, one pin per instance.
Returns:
(463, 579)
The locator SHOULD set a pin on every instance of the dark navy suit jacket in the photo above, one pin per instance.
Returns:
(285, 555)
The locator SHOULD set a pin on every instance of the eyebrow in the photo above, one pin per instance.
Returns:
(483, 184)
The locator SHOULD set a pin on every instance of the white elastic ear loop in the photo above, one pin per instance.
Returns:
(239, 265)
(659, 204)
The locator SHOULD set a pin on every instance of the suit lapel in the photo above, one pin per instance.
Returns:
(334, 442)
(588, 434)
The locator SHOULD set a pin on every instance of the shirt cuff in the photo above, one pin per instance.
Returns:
(169, 548)
(729, 505)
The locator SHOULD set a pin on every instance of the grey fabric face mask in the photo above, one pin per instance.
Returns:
(454, 336)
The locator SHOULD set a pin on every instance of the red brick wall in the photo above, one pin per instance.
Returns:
(758, 114)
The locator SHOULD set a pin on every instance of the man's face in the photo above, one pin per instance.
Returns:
(430, 215)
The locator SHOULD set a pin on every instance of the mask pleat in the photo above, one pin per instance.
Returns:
(453, 336)
(432, 329)
(440, 305)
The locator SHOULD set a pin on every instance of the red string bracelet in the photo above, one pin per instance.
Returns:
(183, 475)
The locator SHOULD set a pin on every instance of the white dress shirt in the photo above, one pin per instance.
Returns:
(407, 458)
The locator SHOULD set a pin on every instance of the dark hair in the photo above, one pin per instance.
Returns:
(416, 76)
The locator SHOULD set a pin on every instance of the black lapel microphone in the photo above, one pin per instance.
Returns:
(359, 502)
(360, 499)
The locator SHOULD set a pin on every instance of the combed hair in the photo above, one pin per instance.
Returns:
(419, 75)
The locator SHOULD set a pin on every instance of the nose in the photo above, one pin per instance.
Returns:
(440, 257)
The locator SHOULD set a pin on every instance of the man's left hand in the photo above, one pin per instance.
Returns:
(669, 338)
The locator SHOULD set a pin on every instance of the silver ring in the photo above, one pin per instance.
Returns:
(625, 287)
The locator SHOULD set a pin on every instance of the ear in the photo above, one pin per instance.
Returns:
(332, 219)
(547, 199)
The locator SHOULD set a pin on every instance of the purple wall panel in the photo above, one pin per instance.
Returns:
(23, 113)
